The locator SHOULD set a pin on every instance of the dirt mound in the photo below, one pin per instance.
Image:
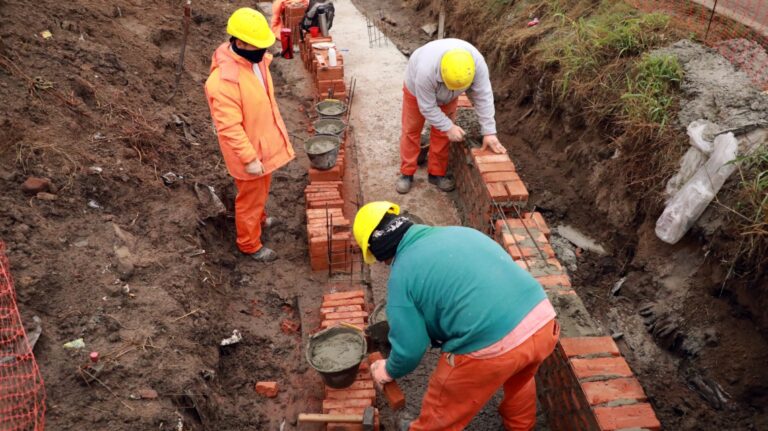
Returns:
(129, 256)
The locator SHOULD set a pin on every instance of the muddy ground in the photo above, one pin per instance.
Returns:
(146, 273)
(688, 331)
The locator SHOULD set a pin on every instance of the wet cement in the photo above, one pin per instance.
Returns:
(321, 144)
(327, 127)
(337, 352)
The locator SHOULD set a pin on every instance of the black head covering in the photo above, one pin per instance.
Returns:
(387, 236)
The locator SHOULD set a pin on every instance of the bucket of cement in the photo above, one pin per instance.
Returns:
(378, 329)
(336, 354)
(331, 108)
(323, 150)
(330, 126)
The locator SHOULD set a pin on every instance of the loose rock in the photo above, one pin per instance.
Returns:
(35, 185)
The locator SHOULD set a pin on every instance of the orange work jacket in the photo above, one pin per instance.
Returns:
(245, 113)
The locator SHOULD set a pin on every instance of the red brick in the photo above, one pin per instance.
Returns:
(342, 309)
(364, 376)
(394, 395)
(343, 295)
(337, 85)
(492, 158)
(348, 315)
(357, 385)
(485, 168)
(342, 404)
(613, 390)
(333, 174)
(497, 191)
(289, 326)
(517, 190)
(585, 368)
(350, 394)
(585, 346)
(539, 222)
(342, 302)
(268, 389)
(498, 177)
(330, 73)
(391, 390)
(346, 411)
(635, 416)
(335, 203)
(554, 280)
(330, 322)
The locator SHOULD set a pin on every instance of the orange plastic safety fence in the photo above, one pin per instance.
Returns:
(738, 29)
(22, 393)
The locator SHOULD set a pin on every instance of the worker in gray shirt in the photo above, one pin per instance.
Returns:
(438, 73)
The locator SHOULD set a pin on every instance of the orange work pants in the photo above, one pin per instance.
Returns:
(458, 391)
(410, 139)
(250, 212)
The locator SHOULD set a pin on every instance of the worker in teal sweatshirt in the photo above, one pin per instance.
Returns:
(457, 289)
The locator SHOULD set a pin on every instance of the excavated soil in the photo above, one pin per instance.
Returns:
(129, 257)
(695, 338)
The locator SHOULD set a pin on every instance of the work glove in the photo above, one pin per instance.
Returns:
(379, 373)
(255, 167)
(492, 141)
(456, 134)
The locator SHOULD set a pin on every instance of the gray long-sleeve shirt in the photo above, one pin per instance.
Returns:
(424, 80)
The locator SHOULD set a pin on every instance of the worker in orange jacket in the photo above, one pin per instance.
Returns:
(278, 6)
(251, 132)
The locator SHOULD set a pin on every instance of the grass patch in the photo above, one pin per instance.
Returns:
(752, 208)
(652, 91)
(585, 45)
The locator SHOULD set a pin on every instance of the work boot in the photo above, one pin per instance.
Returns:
(403, 185)
(264, 254)
(270, 222)
(443, 183)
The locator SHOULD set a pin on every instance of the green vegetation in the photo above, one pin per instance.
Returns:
(752, 209)
(650, 95)
(584, 46)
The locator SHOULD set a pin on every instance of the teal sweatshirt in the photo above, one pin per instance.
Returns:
(455, 288)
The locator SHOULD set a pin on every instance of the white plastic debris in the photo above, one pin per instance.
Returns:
(75, 344)
(687, 205)
(234, 339)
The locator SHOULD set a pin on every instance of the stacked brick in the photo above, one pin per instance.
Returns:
(329, 231)
(526, 239)
(486, 182)
(348, 307)
(329, 80)
(587, 385)
(293, 13)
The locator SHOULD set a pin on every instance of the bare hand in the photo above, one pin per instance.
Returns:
(255, 168)
(493, 142)
(456, 134)
(379, 373)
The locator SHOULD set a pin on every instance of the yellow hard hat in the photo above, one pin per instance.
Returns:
(250, 26)
(457, 68)
(366, 220)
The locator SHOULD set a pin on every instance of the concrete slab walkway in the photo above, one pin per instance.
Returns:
(376, 115)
